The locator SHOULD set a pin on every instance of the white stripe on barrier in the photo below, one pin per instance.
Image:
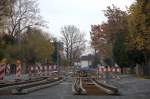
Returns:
(18, 71)
(8, 69)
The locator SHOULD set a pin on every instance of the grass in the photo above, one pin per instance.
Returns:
(143, 77)
(146, 77)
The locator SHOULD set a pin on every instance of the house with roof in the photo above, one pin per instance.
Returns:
(86, 60)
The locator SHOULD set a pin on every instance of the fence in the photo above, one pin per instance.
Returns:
(108, 73)
(13, 72)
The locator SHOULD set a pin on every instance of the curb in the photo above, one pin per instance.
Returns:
(28, 90)
(83, 91)
(15, 85)
(74, 92)
(112, 90)
(104, 89)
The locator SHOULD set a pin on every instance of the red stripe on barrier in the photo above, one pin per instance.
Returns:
(2, 71)
(18, 71)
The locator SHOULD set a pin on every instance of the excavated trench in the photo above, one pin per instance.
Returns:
(92, 89)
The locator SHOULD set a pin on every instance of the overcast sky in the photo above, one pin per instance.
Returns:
(81, 13)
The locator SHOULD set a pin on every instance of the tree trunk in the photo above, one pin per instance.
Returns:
(146, 65)
(139, 69)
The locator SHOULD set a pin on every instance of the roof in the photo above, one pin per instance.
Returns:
(87, 57)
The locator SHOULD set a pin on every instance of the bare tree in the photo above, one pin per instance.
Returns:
(73, 41)
(23, 13)
(4, 7)
(4, 14)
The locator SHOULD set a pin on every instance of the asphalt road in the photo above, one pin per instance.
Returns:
(131, 88)
(62, 89)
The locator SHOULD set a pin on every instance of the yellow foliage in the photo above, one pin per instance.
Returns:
(139, 41)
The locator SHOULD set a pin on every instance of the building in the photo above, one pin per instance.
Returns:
(86, 60)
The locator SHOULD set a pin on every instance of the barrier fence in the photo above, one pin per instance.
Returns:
(109, 72)
(42, 71)
(32, 71)
(2, 71)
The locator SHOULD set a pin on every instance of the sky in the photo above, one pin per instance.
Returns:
(81, 13)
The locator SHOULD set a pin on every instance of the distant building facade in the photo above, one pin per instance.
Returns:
(86, 60)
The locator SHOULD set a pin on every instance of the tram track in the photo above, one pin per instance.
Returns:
(22, 87)
(7, 84)
(94, 87)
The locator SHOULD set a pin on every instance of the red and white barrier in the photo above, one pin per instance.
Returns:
(36, 71)
(54, 67)
(118, 70)
(104, 69)
(18, 71)
(45, 70)
(8, 69)
(41, 71)
(50, 68)
(2, 71)
(112, 70)
(31, 71)
(109, 69)
(101, 70)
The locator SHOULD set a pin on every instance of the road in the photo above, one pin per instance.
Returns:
(131, 85)
(63, 89)
(131, 88)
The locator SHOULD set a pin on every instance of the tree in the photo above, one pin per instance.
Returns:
(22, 14)
(58, 49)
(37, 46)
(4, 14)
(73, 39)
(6, 42)
(117, 22)
(139, 27)
(104, 36)
(120, 52)
(100, 42)
(55, 52)
(4, 9)
(16, 16)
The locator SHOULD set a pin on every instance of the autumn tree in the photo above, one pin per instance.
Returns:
(100, 42)
(139, 31)
(117, 31)
(73, 41)
(6, 41)
(116, 23)
(105, 36)
(37, 46)
(17, 16)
